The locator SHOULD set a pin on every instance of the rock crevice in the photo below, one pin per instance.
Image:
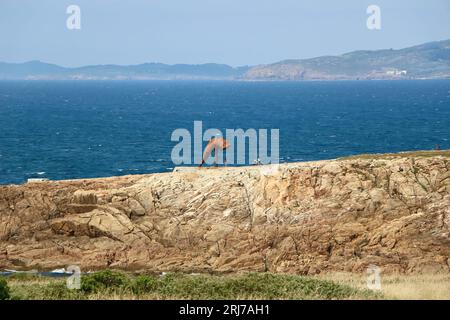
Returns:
(305, 218)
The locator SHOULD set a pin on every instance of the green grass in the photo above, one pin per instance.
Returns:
(117, 285)
(4, 290)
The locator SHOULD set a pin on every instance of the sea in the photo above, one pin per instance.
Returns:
(85, 129)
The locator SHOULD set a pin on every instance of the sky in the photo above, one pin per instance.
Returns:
(234, 32)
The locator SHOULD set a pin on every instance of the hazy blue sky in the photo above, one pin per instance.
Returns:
(236, 32)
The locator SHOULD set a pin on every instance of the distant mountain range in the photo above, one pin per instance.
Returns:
(426, 61)
(37, 70)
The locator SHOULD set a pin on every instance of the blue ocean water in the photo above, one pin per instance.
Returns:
(81, 129)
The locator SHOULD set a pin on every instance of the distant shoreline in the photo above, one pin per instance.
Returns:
(219, 80)
(426, 61)
(194, 168)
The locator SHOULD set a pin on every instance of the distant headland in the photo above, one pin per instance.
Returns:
(426, 61)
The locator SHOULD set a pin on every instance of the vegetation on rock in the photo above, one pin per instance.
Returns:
(116, 285)
(4, 289)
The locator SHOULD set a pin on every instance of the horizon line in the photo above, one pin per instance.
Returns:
(216, 63)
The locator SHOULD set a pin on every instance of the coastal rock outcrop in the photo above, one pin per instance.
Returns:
(305, 218)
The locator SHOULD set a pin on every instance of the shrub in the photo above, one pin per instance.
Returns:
(144, 284)
(4, 290)
(56, 290)
(107, 284)
(103, 280)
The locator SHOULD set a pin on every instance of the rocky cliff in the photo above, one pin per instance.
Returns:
(426, 61)
(306, 218)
